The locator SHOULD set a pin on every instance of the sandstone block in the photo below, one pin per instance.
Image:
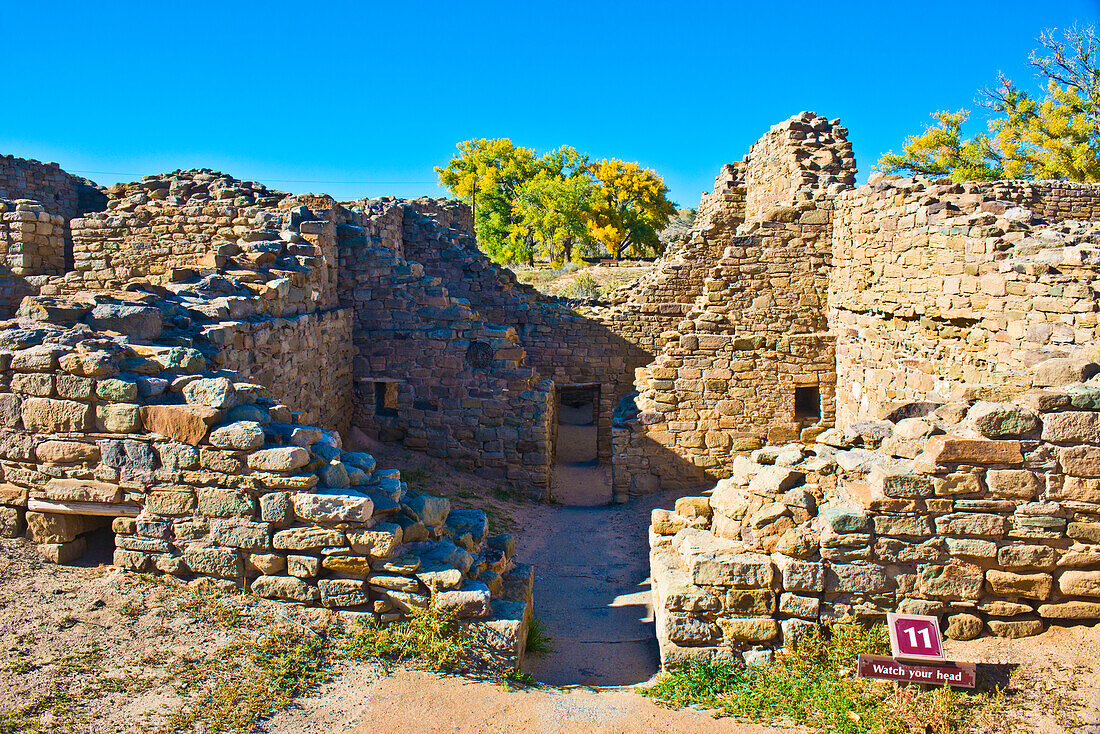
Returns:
(283, 459)
(690, 631)
(1074, 583)
(749, 629)
(470, 601)
(184, 423)
(1070, 610)
(1072, 427)
(215, 502)
(285, 587)
(46, 415)
(309, 539)
(82, 490)
(239, 436)
(1026, 585)
(1086, 532)
(963, 627)
(805, 576)
(240, 533)
(971, 523)
(1001, 420)
(952, 582)
(168, 502)
(213, 392)
(333, 508)
(1080, 461)
(1020, 556)
(947, 450)
(1015, 628)
(337, 593)
(1012, 483)
(380, 541)
(220, 562)
(118, 418)
(67, 452)
(855, 577)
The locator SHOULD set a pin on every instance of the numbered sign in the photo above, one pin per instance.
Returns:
(915, 637)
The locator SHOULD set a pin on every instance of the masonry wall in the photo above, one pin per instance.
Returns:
(983, 513)
(937, 285)
(60, 193)
(430, 371)
(727, 380)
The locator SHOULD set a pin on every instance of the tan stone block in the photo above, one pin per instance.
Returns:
(749, 629)
(67, 452)
(750, 601)
(46, 415)
(963, 627)
(1012, 483)
(49, 527)
(1026, 585)
(185, 423)
(1015, 628)
(1080, 583)
(1078, 489)
(81, 490)
(63, 552)
(170, 502)
(118, 418)
(943, 450)
(1070, 610)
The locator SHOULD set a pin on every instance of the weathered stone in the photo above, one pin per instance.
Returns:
(67, 452)
(336, 593)
(946, 450)
(82, 490)
(221, 562)
(1070, 610)
(799, 606)
(284, 459)
(470, 601)
(1074, 583)
(333, 508)
(184, 423)
(214, 502)
(1013, 483)
(118, 418)
(114, 390)
(971, 523)
(428, 509)
(309, 538)
(1072, 427)
(303, 567)
(213, 392)
(1086, 532)
(169, 502)
(1080, 461)
(749, 629)
(855, 577)
(239, 436)
(1014, 628)
(276, 508)
(1022, 556)
(1028, 586)
(953, 581)
(957, 483)
(240, 533)
(380, 541)
(963, 627)
(48, 527)
(284, 587)
(846, 520)
(1063, 371)
(46, 415)
(1001, 420)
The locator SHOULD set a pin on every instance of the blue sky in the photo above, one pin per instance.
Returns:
(295, 94)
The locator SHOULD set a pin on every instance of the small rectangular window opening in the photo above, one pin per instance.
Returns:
(807, 403)
(385, 399)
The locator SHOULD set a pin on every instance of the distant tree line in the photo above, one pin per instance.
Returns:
(1055, 136)
(559, 206)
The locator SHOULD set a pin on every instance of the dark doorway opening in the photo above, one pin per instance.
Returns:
(807, 403)
(578, 478)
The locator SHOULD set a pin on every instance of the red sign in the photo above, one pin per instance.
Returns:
(915, 637)
(880, 667)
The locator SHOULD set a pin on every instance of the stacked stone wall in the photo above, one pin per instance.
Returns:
(937, 284)
(59, 193)
(431, 371)
(984, 513)
(728, 379)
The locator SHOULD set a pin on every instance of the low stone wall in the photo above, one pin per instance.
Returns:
(200, 475)
(984, 511)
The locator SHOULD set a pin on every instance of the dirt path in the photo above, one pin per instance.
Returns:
(592, 592)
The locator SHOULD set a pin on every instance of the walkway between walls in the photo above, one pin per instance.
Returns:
(592, 591)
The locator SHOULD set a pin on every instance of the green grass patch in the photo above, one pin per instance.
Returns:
(539, 642)
(428, 639)
(813, 683)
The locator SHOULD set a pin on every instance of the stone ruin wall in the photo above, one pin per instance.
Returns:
(935, 285)
(458, 386)
(985, 512)
(725, 381)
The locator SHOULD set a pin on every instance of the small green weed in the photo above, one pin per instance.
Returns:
(539, 642)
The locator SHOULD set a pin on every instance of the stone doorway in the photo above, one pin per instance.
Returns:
(578, 478)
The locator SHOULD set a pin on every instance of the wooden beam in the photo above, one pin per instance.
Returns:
(105, 509)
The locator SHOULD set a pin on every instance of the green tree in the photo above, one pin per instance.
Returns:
(553, 206)
(629, 208)
(497, 171)
(1057, 136)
